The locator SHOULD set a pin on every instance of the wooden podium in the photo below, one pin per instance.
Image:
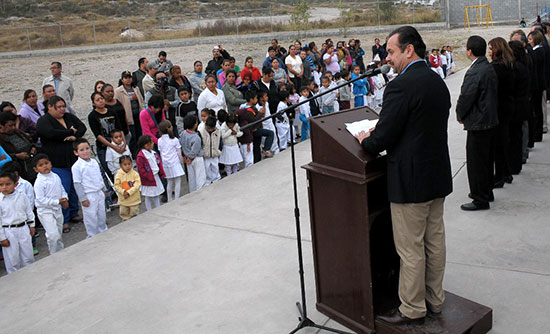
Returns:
(356, 265)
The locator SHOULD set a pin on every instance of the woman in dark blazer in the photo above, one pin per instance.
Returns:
(57, 130)
(503, 64)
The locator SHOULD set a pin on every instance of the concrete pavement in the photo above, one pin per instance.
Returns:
(223, 259)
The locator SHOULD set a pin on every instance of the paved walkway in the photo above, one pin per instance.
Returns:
(223, 260)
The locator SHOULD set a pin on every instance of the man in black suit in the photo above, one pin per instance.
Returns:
(413, 130)
(477, 110)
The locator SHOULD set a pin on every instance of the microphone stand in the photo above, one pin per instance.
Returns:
(303, 319)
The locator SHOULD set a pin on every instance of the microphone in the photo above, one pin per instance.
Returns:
(385, 69)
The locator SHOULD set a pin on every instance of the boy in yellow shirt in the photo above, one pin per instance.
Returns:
(127, 185)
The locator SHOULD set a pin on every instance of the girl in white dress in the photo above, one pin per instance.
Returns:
(172, 159)
(150, 171)
(231, 155)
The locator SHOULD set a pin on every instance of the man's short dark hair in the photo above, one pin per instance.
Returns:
(409, 35)
(271, 48)
(12, 167)
(162, 54)
(156, 101)
(189, 121)
(141, 61)
(56, 63)
(477, 45)
(267, 70)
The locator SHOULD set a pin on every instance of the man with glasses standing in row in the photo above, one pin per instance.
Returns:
(63, 85)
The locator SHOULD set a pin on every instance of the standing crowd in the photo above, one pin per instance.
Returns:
(156, 126)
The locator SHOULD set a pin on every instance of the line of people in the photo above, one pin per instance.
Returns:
(501, 106)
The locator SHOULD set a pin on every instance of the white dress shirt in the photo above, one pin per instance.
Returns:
(48, 189)
(15, 209)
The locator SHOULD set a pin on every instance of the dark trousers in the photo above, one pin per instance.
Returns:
(479, 155)
(502, 150)
(66, 177)
(297, 83)
(516, 146)
(257, 142)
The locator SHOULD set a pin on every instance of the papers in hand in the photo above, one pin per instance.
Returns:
(365, 125)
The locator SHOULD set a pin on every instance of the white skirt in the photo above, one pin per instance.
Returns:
(173, 171)
(153, 191)
(231, 155)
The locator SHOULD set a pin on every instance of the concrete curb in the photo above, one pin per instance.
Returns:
(213, 40)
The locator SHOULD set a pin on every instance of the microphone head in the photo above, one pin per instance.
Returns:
(385, 69)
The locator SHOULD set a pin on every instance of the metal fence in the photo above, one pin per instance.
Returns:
(199, 24)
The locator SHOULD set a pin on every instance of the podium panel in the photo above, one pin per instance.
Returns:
(356, 265)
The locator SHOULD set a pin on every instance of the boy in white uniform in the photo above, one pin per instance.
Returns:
(17, 221)
(90, 188)
(50, 198)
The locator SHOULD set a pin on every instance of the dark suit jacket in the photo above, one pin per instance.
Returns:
(413, 130)
(477, 104)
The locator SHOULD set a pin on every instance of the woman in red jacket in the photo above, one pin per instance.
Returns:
(250, 68)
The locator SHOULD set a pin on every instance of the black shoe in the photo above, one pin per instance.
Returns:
(396, 318)
(499, 184)
(164, 198)
(475, 206)
(508, 179)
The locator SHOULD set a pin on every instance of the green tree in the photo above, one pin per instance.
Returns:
(345, 19)
(300, 15)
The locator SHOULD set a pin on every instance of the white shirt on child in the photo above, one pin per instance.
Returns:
(169, 148)
(112, 157)
(304, 108)
(48, 189)
(327, 99)
(14, 209)
(152, 161)
(26, 187)
(88, 174)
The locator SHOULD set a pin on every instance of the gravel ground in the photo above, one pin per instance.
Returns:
(86, 69)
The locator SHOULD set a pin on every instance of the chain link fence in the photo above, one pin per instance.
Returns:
(200, 24)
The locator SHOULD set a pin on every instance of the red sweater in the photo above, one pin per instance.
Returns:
(255, 73)
(144, 169)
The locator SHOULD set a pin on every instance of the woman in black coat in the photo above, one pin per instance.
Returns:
(503, 63)
(57, 130)
(538, 55)
(522, 106)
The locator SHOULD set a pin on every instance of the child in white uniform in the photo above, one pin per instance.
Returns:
(172, 159)
(17, 224)
(111, 156)
(191, 145)
(282, 122)
(150, 171)
(50, 199)
(231, 155)
(90, 188)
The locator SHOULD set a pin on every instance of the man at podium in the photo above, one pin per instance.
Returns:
(413, 130)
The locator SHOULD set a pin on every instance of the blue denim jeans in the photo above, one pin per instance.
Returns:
(67, 180)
